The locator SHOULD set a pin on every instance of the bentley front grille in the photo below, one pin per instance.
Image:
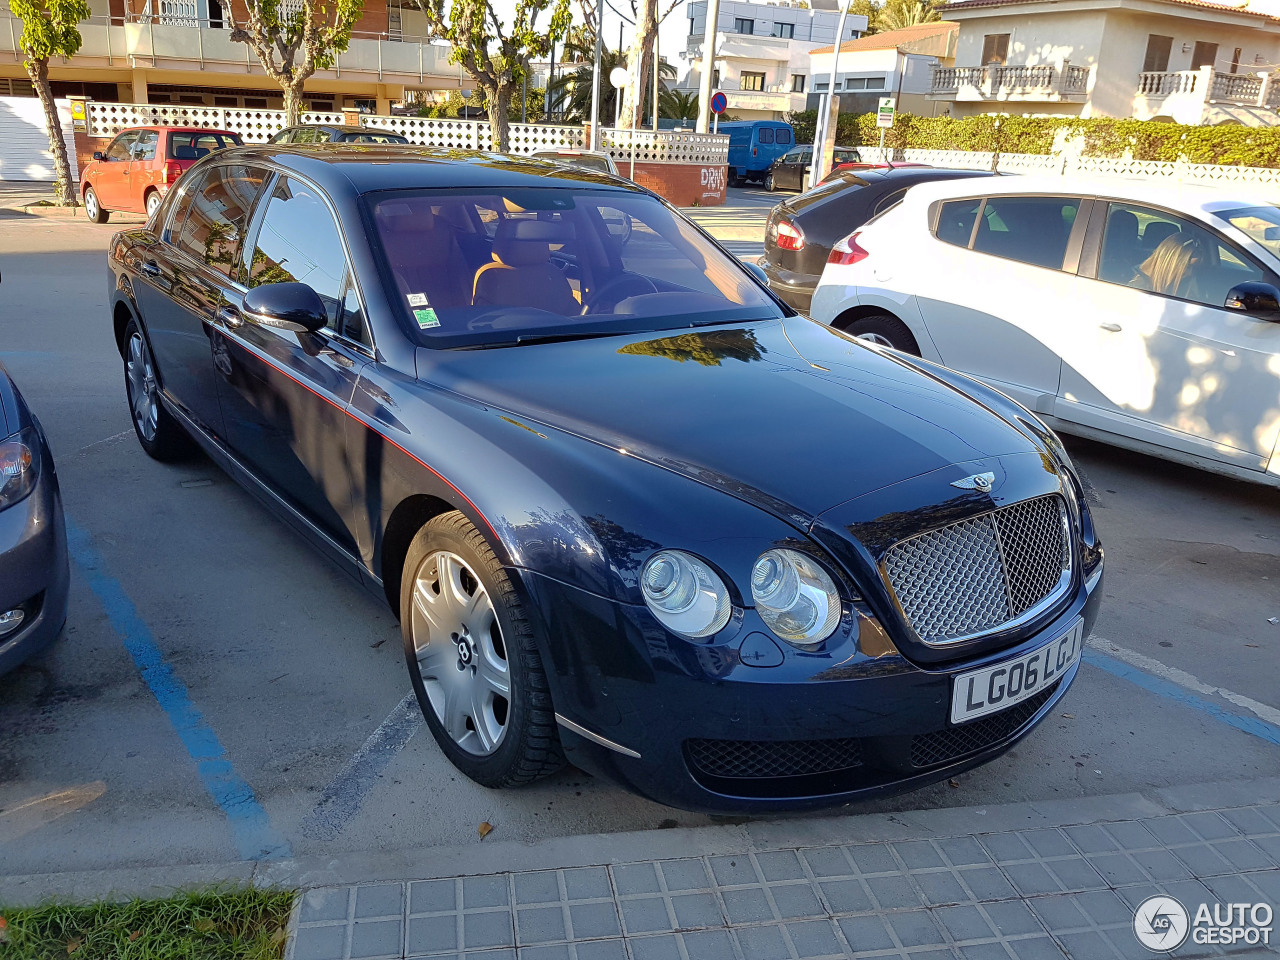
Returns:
(983, 573)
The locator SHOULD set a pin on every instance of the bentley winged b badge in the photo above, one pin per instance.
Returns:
(982, 482)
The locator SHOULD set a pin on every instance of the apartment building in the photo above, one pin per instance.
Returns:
(180, 52)
(762, 52)
(896, 63)
(1183, 60)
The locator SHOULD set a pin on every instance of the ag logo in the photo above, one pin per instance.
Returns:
(1161, 924)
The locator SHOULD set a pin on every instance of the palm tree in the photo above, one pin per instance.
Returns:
(678, 105)
(571, 92)
(896, 14)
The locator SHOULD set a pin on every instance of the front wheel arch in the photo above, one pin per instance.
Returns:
(410, 515)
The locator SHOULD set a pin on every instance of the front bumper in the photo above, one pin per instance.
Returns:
(34, 572)
(694, 711)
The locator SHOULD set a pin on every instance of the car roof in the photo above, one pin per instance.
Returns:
(163, 128)
(1179, 196)
(340, 170)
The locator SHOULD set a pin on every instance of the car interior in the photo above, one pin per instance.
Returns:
(536, 257)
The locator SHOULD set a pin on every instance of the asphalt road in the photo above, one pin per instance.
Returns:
(297, 675)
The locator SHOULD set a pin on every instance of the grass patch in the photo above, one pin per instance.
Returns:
(233, 924)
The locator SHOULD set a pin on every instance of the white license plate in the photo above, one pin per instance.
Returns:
(999, 687)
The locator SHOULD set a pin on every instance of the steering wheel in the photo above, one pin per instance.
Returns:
(617, 289)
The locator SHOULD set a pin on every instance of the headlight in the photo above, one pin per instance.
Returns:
(685, 594)
(795, 597)
(19, 467)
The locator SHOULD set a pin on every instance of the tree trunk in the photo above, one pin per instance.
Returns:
(292, 104)
(500, 117)
(639, 59)
(64, 192)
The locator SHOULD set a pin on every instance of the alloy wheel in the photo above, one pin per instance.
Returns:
(461, 653)
(141, 377)
(878, 338)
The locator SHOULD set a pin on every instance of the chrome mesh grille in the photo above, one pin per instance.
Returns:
(974, 576)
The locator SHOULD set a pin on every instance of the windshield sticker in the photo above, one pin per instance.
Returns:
(417, 299)
(426, 318)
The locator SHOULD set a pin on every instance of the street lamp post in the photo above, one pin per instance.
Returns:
(708, 65)
(595, 80)
(816, 170)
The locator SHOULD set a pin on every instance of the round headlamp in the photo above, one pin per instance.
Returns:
(685, 594)
(795, 597)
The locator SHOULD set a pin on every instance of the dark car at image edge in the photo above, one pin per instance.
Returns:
(632, 511)
(34, 575)
(801, 230)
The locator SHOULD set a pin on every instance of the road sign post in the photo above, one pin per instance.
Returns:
(718, 104)
(884, 119)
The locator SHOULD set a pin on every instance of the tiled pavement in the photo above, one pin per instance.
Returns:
(1022, 895)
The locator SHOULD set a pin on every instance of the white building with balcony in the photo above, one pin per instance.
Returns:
(762, 52)
(180, 52)
(1182, 60)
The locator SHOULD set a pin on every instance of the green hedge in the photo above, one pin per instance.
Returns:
(1102, 137)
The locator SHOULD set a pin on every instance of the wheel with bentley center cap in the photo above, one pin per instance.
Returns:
(472, 658)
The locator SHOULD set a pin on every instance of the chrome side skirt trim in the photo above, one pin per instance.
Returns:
(595, 737)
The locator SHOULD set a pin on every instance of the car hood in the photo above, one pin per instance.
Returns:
(788, 414)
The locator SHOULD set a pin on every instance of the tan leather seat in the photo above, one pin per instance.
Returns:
(522, 274)
(423, 254)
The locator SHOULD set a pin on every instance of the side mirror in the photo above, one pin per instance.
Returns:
(1271, 234)
(99, 155)
(286, 306)
(1260, 300)
(757, 271)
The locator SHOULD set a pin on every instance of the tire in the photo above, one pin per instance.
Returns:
(161, 436)
(734, 179)
(886, 330)
(152, 202)
(768, 183)
(93, 209)
(459, 668)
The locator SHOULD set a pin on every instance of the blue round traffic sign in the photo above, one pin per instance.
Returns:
(718, 102)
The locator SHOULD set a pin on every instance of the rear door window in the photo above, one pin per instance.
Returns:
(765, 135)
(1032, 230)
(784, 136)
(955, 221)
(219, 214)
(194, 144)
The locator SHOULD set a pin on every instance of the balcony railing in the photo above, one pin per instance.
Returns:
(1040, 81)
(1237, 87)
(147, 40)
(1207, 84)
(1168, 84)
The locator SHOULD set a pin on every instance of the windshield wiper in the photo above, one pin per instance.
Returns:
(564, 336)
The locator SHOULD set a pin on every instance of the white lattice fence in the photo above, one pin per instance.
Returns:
(665, 146)
(457, 134)
(527, 138)
(255, 126)
(963, 159)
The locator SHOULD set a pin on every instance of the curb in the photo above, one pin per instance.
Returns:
(52, 212)
(757, 836)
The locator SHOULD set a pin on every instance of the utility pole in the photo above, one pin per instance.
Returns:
(656, 63)
(595, 80)
(705, 86)
(821, 158)
(551, 77)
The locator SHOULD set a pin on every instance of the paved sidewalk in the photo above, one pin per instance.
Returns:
(1035, 894)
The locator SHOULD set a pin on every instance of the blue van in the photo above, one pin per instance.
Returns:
(754, 145)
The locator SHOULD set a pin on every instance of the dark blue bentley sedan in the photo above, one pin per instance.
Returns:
(34, 574)
(631, 509)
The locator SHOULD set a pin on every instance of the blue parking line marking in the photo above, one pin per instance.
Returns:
(1171, 691)
(342, 798)
(255, 838)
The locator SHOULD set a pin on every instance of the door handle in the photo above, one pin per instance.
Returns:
(150, 268)
(230, 316)
(1112, 327)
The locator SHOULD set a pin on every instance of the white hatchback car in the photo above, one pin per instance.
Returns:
(1141, 315)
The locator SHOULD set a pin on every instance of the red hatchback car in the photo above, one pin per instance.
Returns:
(141, 164)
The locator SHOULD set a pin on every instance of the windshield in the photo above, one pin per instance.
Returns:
(498, 268)
(584, 160)
(1261, 224)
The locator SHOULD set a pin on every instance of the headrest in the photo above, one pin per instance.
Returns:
(520, 243)
(1125, 221)
(403, 218)
(1157, 231)
(185, 152)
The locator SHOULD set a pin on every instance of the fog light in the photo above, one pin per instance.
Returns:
(10, 621)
